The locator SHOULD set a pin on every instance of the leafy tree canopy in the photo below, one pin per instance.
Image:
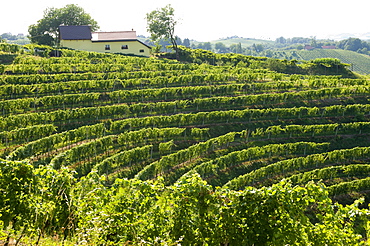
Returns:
(354, 44)
(221, 47)
(46, 31)
(161, 24)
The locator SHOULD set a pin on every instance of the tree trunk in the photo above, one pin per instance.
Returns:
(174, 44)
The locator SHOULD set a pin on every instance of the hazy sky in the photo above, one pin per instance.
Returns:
(206, 20)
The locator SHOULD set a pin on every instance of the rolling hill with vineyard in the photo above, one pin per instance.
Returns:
(357, 62)
(99, 148)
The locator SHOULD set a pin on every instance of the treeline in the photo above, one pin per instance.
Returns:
(353, 44)
(20, 38)
(261, 49)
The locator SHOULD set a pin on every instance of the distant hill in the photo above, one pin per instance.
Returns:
(245, 42)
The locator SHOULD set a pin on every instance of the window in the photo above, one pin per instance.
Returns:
(124, 47)
(141, 51)
(107, 47)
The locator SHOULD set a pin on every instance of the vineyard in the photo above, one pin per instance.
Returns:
(105, 149)
(359, 63)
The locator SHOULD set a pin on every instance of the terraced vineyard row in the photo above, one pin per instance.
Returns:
(126, 127)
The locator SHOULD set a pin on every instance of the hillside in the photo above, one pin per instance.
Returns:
(105, 149)
(358, 62)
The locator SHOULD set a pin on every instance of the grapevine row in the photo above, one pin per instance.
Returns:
(170, 161)
(214, 166)
(12, 106)
(352, 170)
(298, 164)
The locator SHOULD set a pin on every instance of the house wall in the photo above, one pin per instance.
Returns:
(133, 47)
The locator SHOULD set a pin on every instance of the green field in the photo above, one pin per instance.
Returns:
(105, 149)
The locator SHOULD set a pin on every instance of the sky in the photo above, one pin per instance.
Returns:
(206, 20)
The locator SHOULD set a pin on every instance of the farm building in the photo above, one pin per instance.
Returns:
(81, 38)
(308, 47)
(329, 47)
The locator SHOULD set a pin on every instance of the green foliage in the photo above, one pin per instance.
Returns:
(327, 66)
(18, 186)
(34, 202)
(189, 212)
(10, 48)
(161, 24)
(46, 31)
(354, 44)
(193, 212)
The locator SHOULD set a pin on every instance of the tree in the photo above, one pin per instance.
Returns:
(207, 46)
(281, 40)
(259, 48)
(220, 47)
(46, 31)
(314, 42)
(186, 42)
(8, 36)
(353, 44)
(161, 24)
(178, 41)
(237, 48)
